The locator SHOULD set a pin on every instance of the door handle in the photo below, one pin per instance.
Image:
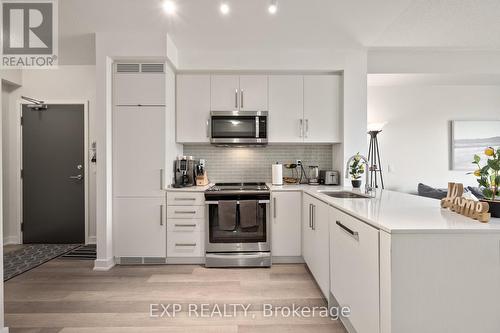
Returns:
(313, 223)
(307, 128)
(310, 216)
(301, 128)
(236, 99)
(208, 128)
(161, 215)
(77, 177)
(354, 234)
(274, 208)
(161, 179)
(241, 98)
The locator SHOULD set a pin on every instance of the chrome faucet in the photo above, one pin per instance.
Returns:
(369, 190)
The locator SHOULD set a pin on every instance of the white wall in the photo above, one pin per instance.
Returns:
(63, 83)
(416, 141)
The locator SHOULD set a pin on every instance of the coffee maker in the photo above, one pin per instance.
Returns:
(184, 171)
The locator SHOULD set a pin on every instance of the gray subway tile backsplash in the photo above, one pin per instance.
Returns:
(225, 164)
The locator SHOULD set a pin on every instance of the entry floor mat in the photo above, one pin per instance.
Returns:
(84, 252)
(30, 256)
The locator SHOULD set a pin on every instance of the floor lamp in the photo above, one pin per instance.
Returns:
(375, 167)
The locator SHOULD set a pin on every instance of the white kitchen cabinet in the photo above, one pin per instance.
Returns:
(322, 108)
(138, 151)
(139, 228)
(286, 108)
(286, 215)
(139, 89)
(193, 108)
(253, 93)
(239, 93)
(355, 269)
(225, 94)
(315, 241)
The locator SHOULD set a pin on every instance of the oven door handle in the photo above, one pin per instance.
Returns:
(237, 202)
(239, 255)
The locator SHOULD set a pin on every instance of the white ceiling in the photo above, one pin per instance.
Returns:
(298, 25)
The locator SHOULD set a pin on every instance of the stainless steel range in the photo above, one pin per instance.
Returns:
(238, 231)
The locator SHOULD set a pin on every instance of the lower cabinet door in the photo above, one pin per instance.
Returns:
(286, 208)
(139, 226)
(321, 255)
(355, 269)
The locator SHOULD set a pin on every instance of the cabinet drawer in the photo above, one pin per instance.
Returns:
(186, 212)
(185, 199)
(186, 226)
(181, 244)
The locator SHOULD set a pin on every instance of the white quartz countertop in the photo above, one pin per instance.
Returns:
(397, 212)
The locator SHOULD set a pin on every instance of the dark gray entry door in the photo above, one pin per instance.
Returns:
(53, 170)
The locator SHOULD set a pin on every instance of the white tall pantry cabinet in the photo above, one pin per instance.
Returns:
(139, 157)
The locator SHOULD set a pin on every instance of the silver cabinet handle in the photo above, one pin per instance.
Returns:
(185, 212)
(313, 223)
(307, 128)
(185, 244)
(161, 179)
(236, 99)
(301, 128)
(354, 234)
(77, 177)
(186, 225)
(310, 216)
(241, 98)
(184, 199)
(161, 215)
(274, 207)
(208, 128)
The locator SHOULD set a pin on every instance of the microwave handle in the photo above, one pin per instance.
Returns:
(257, 126)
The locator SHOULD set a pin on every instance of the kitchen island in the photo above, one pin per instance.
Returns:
(400, 262)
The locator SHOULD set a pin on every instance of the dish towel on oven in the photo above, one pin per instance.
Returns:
(248, 213)
(227, 215)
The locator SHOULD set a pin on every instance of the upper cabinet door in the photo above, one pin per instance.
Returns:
(225, 93)
(322, 108)
(253, 93)
(286, 108)
(193, 108)
(139, 89)
(138, 151)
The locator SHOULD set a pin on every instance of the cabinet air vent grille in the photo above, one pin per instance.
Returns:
(152, 68)
(127, 68)
(130, 260)
(154, 260)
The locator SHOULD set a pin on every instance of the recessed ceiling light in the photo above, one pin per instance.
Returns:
(273, 7)
(224, 8)
(169, 7)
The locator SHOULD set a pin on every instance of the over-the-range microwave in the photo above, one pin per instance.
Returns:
(238, 127)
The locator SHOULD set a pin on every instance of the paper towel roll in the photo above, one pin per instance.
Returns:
(277, 174)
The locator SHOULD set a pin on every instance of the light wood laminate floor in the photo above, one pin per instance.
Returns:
(69, 297)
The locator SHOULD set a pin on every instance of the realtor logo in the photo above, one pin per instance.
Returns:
(29, 33)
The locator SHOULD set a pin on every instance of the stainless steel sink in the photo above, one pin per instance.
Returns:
(346, 195)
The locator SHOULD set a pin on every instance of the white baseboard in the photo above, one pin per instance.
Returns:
(11, 240)
(288, 260)
(91, 240)
(104, 264)
(4, 330)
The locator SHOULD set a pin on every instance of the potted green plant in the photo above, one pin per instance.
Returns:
(357, 169)
(488, 177)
